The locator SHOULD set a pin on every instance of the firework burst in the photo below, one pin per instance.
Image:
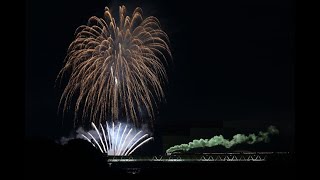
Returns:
(117, 69)
(116, 140)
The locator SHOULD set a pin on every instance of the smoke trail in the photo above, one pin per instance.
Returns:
(219, 140)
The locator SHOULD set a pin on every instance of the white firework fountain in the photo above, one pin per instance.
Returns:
(116, 140)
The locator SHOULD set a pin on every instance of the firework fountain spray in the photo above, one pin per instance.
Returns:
(116, 140)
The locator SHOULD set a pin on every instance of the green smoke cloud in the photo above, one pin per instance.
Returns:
(220, 140)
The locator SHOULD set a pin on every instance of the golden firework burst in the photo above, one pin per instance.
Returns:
(116, 69)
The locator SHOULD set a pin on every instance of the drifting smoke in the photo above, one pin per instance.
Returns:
(77, 135)
(219, 140)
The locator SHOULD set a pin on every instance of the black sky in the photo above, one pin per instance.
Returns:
(233, 62)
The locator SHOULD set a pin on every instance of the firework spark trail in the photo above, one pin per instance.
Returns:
(133, 144)
(104, 135)
(121, 138)
(116, 143)
(116, 147)
(142, 143)
(109, 136)
(116, 68)
(86, 138)
(95, 141)
(125, 149)
(104, 148)
(125, 140)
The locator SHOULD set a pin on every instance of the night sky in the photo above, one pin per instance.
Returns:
(232, 71)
